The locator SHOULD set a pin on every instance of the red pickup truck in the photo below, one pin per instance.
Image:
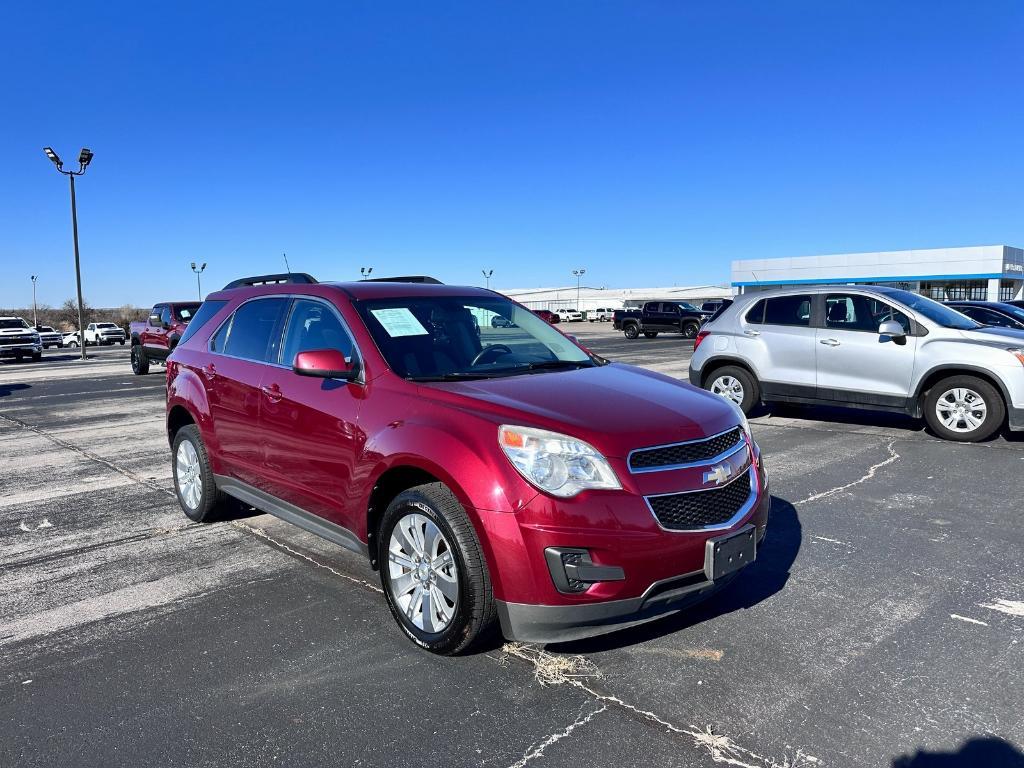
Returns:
(154, 339)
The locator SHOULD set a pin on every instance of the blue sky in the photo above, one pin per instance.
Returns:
(649, 142)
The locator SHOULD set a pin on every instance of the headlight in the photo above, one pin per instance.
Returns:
(556, 464)
(744, 424)
(35, 338)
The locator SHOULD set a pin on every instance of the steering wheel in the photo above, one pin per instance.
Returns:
(489, 351)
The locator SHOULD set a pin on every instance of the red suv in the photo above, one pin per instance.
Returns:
(491, 474)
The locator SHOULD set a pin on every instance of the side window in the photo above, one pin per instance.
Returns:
(651, 306)
(255, 329)
(988, 317)
(314, 325)
(756, 313)
(788, 310)
(202, 316)
(670, 309)
(165, 315)
(880, 312)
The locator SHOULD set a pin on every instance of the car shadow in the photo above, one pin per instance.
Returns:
(978, 752)
(767, 576)
(8, 389)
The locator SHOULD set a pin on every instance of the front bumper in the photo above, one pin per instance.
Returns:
(15, 350)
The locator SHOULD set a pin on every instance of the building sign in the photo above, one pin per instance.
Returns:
(1010, 267)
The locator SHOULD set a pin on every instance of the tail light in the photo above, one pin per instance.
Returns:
(701, 335)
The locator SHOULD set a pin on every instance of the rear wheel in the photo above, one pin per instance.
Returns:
(632, 330)
(964, 408)
(140, 363)
(193, 479)
(690, 330)
(433, 571)
(735, 384)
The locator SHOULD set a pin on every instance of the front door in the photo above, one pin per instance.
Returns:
(309, 426)
(855, 364)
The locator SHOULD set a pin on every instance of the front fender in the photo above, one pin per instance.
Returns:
(186, 391)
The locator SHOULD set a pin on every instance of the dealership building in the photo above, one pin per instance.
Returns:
(985, 272)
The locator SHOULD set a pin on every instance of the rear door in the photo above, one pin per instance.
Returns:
(309, 426)
(778, 339)
(855, 364)
(241, 349)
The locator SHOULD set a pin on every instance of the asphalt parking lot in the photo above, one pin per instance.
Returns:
(881, 625)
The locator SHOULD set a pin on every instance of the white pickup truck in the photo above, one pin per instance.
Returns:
(18, 339)
(104, 333)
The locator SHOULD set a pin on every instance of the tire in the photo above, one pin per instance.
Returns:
(121, 342)
(983, 410)
(651, 334)
(690, 330)
(735, 384)
(73, 345)
(188, 451)
(632, 330)
(426, 508)
(140, 362)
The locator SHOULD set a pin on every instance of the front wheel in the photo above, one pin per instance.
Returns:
(433, 571)
(140, 363)
(73, 344)
(735, 384)
(121, 343)
(632, 331)
(964, 408)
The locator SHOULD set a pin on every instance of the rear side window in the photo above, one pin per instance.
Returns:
(254, 330)
(788, 310)
(201, 317)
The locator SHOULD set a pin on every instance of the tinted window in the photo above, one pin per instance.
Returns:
(651, 306)
(670, 309)
(165, 315)
(855, 312)
(756, 313)
(185, 312)
(200, 318)
(255, 328)
(313, 325)
(14, 322)
(788, 310)
(988, 317)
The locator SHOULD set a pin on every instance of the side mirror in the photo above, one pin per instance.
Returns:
(325, 364)
(892, 329)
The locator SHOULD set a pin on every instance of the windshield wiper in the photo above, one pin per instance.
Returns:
(454, 376)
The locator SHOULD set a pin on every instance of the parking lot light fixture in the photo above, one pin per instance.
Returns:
(364, 272)
(579, 275)
(84, 158)
(35, 322)
(199, 284)
(487, 276)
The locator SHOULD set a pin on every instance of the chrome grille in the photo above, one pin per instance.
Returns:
(694, 451)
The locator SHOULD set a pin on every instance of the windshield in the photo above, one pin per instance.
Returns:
(439, 338)
(105, 325)
(13, 322)
(931, 309)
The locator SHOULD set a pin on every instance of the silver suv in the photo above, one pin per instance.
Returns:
(865, 347)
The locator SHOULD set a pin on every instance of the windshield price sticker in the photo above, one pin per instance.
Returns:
(399, 321)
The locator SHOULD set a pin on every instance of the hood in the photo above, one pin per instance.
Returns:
(1008, 336)
(616, 408)
(16, 331)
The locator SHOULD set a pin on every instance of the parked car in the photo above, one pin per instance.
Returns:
(155, 338)
(1015, 303)
(994, 313)
(599, 315)
(72, 340)
(548, 315)
(488, 483)
(660, 317)
(19, 340)
(712, 306)
(104, 333)
(49, 337)
(569, 315)
(865, 347)
(501, 322)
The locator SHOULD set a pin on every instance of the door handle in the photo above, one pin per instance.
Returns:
(273, 392)
(751, 333)
(829, 342)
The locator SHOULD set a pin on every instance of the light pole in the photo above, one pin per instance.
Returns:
(84, 158)
(579, 276)
(487, 276)
(365, 272)
(199, 271)
(35, 322)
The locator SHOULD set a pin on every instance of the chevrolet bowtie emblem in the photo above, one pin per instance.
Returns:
(719, 474)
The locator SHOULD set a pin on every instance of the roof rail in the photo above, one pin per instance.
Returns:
(405, 279)
(278, 279)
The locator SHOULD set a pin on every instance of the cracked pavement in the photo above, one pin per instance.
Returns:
(884, 614)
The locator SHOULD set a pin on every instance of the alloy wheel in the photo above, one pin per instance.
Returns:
(961, 410)
(423, 577)
(728, 387)
(190, 481)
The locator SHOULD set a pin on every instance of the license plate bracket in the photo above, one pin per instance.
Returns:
(727, 554)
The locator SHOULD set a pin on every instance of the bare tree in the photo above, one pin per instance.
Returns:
(68, 313)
